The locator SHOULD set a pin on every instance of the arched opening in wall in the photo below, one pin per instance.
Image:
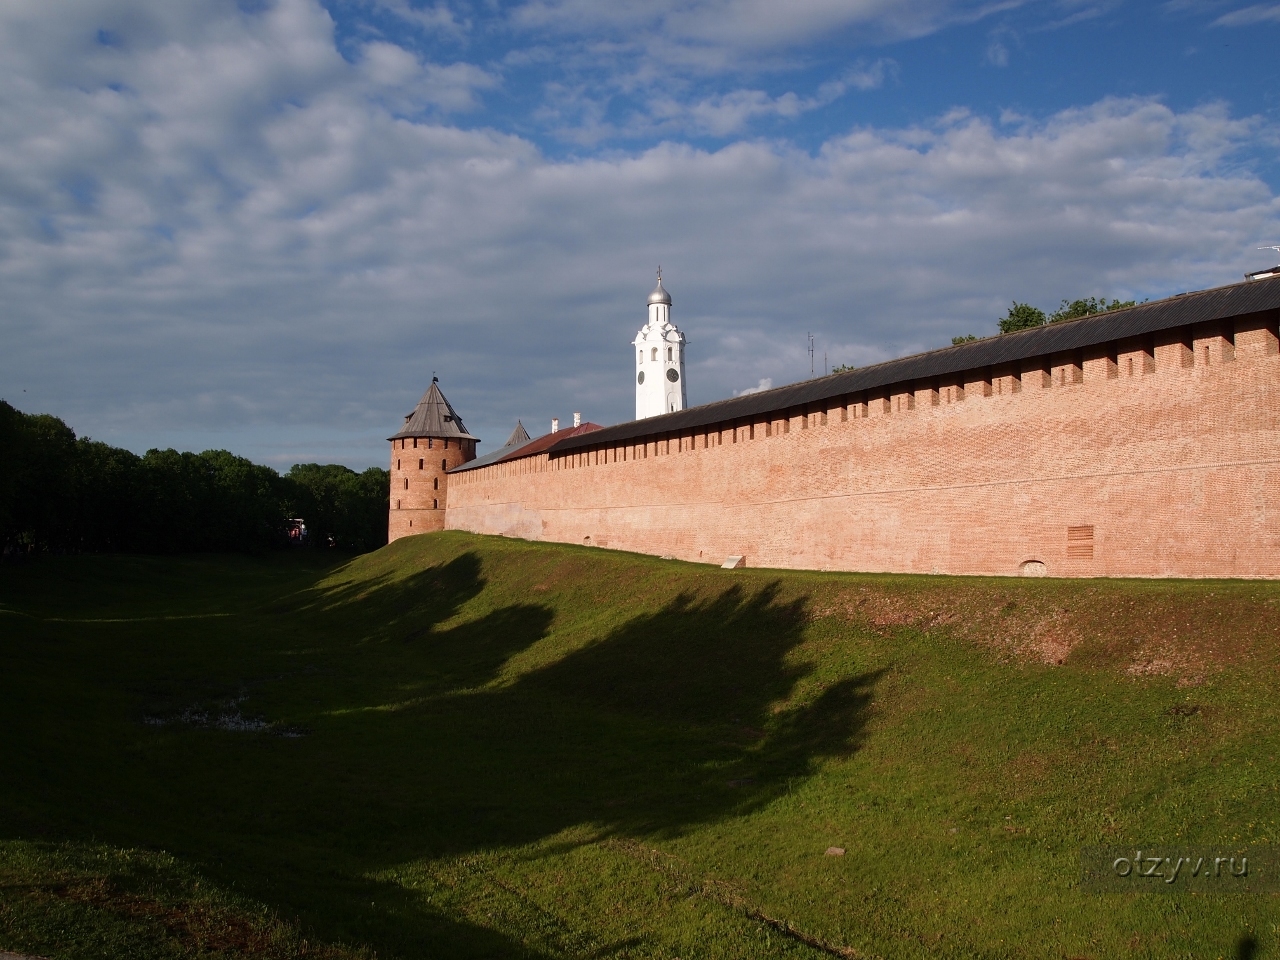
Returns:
(421, 463)
(406, 483)
(586, 541)
(1032, 568)
(668, 353)
(655, 353)
(444, 465)
(397, 463)
(435, 504)
(435, 484)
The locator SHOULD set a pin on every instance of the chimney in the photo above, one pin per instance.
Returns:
(577, 419)
(555, 424)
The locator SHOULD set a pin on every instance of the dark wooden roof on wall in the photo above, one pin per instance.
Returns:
(1183, 310)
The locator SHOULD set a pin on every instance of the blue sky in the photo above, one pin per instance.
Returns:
(263, 226)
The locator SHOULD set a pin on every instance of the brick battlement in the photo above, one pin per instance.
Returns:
(1152, 454)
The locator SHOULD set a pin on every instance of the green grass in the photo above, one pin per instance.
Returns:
(475, 747)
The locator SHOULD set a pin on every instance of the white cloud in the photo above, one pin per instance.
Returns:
(435, 18)
(1250, 16)
(214, 226)
(724, 31)
(765, 384)
(410, 85)
(861, 76)
(728, 113)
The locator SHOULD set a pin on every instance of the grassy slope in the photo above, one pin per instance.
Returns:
(528, 750)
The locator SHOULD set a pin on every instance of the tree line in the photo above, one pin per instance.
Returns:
(63, 493)
(1023, 316)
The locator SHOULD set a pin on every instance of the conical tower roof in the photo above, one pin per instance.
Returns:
(518, 435)
(434, 417)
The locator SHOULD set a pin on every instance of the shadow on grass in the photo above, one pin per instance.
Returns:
(676, 718)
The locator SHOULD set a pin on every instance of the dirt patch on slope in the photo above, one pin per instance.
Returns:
(198, 927)
(1161, 628)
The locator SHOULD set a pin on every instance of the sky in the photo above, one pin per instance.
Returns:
(263, 225)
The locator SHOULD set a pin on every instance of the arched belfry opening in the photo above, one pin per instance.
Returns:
(420, 485)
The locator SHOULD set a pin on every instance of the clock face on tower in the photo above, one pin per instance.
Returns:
(640, 377)
(673, 375)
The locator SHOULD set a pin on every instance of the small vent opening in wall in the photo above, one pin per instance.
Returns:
(1032, 568)
(1080, 543)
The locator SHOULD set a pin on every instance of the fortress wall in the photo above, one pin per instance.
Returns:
(1157, 456)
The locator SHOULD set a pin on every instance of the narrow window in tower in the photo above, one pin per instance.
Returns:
(430, 443)
(406, 483)
(655, 353)
(668, 353)
(421, 463)
(397, 463)
(435, 484)
(415, 443)
(641, 356)
(446, 443)
(444, 464)
(435, 504)
(397, 504)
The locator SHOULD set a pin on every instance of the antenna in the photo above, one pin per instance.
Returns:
(811, 354)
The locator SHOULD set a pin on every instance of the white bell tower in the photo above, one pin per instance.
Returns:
(659, 354)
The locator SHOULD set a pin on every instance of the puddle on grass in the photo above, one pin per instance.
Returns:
(227, 717)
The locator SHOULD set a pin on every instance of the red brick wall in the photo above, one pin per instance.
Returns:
(1153, 457)
(419, 483)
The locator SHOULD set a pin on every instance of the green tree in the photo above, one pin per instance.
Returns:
(36, 456)
(1072, 309)
(1022, 316)
(341, 508)
(967, 338)
(211, 501)
(104, 497)
(58, 492)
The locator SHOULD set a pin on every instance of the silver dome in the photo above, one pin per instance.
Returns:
(659, 294)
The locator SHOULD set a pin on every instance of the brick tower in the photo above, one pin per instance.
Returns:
(433, 441)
